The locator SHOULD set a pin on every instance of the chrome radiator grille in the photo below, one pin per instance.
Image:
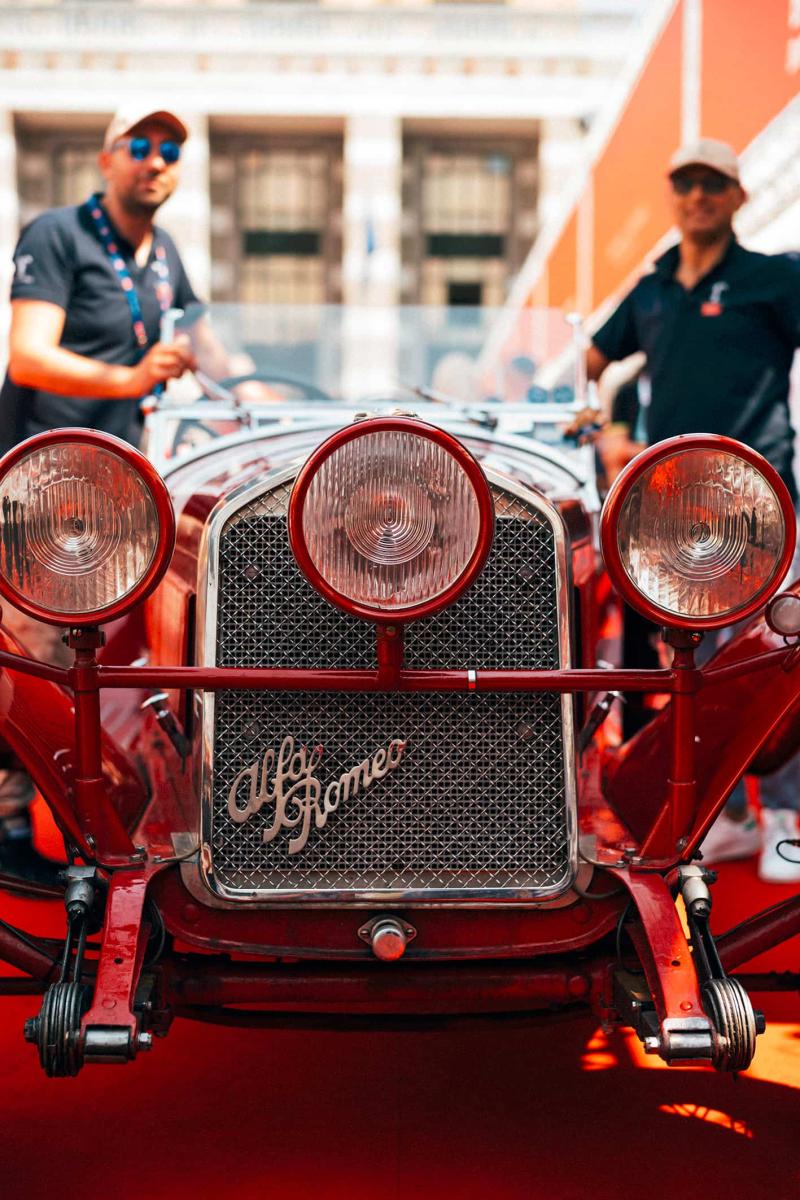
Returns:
(480, 799)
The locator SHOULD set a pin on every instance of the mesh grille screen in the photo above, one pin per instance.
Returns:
(478, 800)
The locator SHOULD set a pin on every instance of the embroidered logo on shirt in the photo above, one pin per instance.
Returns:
(21, 272)
(712, 307)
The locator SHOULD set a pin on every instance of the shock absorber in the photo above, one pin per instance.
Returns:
(726, 1002)
(57, 1028)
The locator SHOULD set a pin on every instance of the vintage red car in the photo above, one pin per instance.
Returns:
(333, 747)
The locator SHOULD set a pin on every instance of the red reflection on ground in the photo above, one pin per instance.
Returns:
(550, 1110)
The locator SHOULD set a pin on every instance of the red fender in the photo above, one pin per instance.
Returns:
(37, 724)
(735, 718)
(782, 743)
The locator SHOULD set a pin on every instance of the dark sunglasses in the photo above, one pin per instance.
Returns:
(711, 185)
(140, 148)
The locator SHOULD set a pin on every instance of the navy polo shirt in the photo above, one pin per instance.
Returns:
(718, 354)
(60, 258)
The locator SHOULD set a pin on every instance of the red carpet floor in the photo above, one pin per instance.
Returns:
(544, 1112)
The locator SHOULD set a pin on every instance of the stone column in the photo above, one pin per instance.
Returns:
(373, 152)
(561, 149)
(9, 219)
(371, 261)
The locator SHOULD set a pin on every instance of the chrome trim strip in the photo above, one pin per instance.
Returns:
(196, 886)
(232, 440)
(461, 428)
(207, 591)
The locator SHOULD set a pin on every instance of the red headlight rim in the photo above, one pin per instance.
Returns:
(392, 425)
(164, 510)
(618, 494)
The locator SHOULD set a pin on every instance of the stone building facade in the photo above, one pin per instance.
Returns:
(368, 152)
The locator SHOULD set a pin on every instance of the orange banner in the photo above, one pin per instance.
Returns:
(749, 72)
(630, 207)
(562, 268)
(751, 66)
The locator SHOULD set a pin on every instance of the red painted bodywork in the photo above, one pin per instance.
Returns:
(749, 690)
(37, 723)
(642, 810)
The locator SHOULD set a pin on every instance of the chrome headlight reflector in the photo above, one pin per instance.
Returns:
(391, 519)
(86, 527)
(698, 531)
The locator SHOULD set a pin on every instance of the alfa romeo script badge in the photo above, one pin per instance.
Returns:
(289, 783)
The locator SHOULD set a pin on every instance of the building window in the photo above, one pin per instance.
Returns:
(470, 209)
(76, 173)
(276, 219)
(55, 167)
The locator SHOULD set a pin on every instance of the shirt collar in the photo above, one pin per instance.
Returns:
(123, 243)
(667, 264)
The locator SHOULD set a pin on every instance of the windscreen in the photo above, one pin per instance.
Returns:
(280, 363)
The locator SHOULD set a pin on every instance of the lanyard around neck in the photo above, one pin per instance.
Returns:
(102, 224)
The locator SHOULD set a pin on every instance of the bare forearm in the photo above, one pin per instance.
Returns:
(214, 360)
(54, 369)
(596, 363)
(212, 356)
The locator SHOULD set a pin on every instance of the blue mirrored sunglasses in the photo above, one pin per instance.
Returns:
(140, 148)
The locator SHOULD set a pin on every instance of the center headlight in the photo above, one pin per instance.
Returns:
(391, 519)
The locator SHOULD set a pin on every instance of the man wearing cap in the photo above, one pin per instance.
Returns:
(91, 284)
(719, 326)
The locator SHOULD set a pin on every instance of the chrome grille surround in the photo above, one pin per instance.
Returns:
(481, 811)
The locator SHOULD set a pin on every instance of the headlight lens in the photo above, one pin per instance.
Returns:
(391, 519)
(81, 527)
(703, 532)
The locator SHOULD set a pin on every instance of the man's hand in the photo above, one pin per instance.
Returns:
(584, 425)
(162, 362)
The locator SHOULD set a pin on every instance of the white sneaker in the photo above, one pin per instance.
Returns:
(728, 839)
(777, 824)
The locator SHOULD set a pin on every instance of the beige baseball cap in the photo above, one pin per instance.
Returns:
(127, 118)
(707, 152)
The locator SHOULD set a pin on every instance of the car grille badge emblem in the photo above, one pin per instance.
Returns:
(287, 782)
